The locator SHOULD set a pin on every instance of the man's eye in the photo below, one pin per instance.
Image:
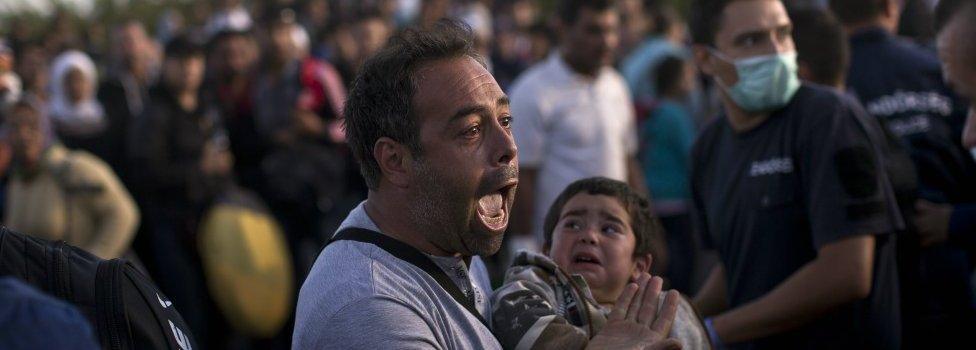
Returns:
(507, 122)
(749, 41)
(472, 131)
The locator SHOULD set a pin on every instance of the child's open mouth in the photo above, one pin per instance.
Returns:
(585, 258)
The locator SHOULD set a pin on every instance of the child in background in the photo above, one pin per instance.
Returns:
(666, 136)
(599, 235)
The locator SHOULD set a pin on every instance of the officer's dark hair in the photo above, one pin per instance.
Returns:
(821, 44)
(669, 74)
(380, 103)
(705, 18)
(182, 47)
(647, 230)
(858, 11)
(569, 10)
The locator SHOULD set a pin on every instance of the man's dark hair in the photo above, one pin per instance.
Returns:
(647, 230)
(669, 74)
(569, 10)
(182, 47)
(705, 18)
(858, 11)
(821, 43)
(380, 103)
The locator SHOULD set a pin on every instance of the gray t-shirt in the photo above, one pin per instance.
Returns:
(358, 296)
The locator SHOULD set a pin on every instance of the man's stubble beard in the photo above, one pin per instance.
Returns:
(445, 215)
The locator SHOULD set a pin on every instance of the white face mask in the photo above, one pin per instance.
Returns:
(765, 83)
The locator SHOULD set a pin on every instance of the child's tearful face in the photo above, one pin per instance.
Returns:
(593, 238)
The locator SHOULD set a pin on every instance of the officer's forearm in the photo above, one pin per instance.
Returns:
(711, 298)
(840, 274)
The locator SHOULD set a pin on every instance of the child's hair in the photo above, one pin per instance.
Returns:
(647, 230)
(669, 74)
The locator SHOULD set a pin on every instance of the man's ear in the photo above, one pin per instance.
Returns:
(642, 263)
(702, 59)
(393, 159)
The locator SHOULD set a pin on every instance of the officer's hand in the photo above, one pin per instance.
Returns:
(932, 220)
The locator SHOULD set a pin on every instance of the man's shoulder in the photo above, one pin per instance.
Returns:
(346, 271)
(817, 105)
(811, 94)
(898, 54)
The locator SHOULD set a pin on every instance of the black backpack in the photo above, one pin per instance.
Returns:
(124, 306)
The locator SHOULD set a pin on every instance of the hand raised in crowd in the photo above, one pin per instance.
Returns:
(635, 323)
(932, 220)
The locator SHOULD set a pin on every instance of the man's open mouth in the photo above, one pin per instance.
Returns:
(493, 208)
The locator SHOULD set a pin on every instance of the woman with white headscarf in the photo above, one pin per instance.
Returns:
(77, 115)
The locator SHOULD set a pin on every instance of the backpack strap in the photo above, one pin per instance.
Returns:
(413, 256)
(110, 306)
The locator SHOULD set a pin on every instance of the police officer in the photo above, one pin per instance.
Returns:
(788, 187)
(900, 83)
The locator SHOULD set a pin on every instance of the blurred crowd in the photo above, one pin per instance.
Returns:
(120, 138)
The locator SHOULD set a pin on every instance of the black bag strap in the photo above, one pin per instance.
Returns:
(110, 306)
(411, 255)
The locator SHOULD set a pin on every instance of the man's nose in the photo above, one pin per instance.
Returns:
(505, 150)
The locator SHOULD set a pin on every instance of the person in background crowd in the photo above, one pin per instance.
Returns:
(233, 59)
(228, 15)
(438, 155)
(370, 32)
(901, 83)
(666, 136)
(638, 68)
(512, 48)
(61, 194)
(822, 50)
(78, 118)
(10, 84)
(575, 117)
(788, 188)
(958, 54)
(823, 58)
(31, 65)
(11, 91)
(959, 75)
(125, 93)
(185, 160)
(300, 117)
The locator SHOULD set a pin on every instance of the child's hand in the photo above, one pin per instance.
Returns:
(634, 322)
